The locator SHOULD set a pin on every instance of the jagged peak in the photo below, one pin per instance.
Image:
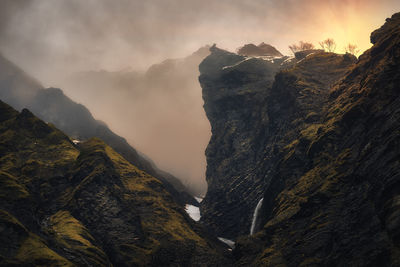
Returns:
(263, 49)
(391, 25)
(218, 59)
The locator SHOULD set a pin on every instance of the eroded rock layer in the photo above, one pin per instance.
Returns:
(319, 142)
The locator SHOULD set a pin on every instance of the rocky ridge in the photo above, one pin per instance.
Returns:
(241, 97)
(22, 91)
(63, 204)
(319, 143)
(262, 49)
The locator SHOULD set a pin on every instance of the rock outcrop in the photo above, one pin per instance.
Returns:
(319, 143)
(248, 129)
(63, 204)
(262, 49)
(51, 105)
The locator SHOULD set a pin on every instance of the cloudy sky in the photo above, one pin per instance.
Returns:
(47, 37)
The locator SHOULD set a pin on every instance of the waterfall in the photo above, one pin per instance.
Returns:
(255, 214)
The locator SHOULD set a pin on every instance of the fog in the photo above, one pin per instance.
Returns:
(56, 41)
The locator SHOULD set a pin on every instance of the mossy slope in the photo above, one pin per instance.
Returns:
(64, 205)
(20, 91)
(333, 195)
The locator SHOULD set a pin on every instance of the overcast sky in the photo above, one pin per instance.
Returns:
(49, 37)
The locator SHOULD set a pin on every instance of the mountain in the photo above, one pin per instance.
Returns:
(63, 204)
(51, 105)
(262, 49)
(246, 131)
(306, 154)
(160, 111)
(234, 89)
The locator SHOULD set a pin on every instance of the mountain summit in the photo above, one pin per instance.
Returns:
(262, 49)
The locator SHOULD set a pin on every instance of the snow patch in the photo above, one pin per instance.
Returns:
(236, 64)
(288, 60)
(193, 211)
(230, 243)
(199, 199)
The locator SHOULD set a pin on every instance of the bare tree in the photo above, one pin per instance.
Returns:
(301, 46)
(352, 49)
(328, 45)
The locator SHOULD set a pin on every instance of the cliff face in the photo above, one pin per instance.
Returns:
(21, 91)
(233, 91)
(323, 147)
(242, 98)
(85, 205)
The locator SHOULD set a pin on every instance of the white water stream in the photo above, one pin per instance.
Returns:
(255, 215)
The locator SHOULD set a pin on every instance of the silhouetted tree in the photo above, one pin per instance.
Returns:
(301, 46)
(352, 49)
(328, 45)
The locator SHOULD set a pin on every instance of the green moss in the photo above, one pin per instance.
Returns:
(33, 251)
(311, 132)
(10, 189)
(162, 220)
(152, 193)
(36, 162)
(21, 247)
(69, 233)
(6, 217)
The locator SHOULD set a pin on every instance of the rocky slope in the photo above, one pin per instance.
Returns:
(85, 205)
(319, 143)
(21, 91)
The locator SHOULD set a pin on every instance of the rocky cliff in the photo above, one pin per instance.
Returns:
(241, 95)
(84, 205)
(318, 141)
(22, 91)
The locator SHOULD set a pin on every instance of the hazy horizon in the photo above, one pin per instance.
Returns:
(73, 35)
(52, 40)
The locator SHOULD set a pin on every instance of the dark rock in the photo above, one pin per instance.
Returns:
(254, 110)
(262, 49)
(67, 205)
(321, 149)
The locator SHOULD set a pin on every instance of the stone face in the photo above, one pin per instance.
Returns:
(322, 151)
(252, 108)
(76, 205)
